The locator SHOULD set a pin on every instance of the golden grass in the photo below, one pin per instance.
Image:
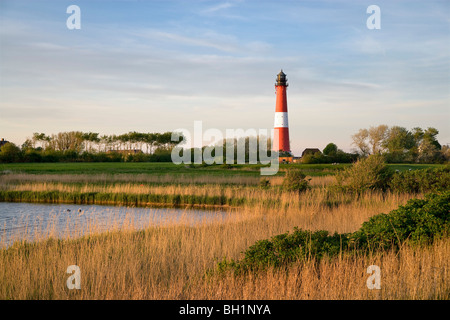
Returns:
(252, 194)
(131, 178)
(15, 178)
(412, 273)
(169, 262)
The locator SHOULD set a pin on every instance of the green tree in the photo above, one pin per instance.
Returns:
(10, 153)
(330, 150)
(41, 137)
(399, 142)
(426, 148)
(27, 145)
(417, 134)
(89, 139)
(430, 136)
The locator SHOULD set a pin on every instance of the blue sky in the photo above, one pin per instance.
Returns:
(156, 66)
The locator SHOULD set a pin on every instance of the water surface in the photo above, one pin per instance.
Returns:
(32, 221)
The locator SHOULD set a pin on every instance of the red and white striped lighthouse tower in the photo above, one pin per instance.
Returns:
(281, 127)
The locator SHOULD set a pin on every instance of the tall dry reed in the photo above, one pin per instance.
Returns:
(170, 261)
(131, 178)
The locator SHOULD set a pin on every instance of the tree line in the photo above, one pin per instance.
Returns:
(396, 144)
(400, 145)
(93, 142)
(77, 146)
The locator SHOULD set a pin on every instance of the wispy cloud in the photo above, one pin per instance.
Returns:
(209, 39)
(218, 7)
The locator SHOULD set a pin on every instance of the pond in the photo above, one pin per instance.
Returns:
(33, 221)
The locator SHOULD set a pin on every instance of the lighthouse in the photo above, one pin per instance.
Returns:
(281, 127)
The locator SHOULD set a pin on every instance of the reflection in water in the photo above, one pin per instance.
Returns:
(31, 221)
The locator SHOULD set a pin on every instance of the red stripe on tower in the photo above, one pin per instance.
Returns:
(281, 126)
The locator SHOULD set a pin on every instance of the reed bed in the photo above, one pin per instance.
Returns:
(131, 178)
(411, 273)
(172, 261)
(178, 195)
(16, 178)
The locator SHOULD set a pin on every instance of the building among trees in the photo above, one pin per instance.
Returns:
(311, 151)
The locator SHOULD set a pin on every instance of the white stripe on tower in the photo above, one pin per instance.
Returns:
(281, 120)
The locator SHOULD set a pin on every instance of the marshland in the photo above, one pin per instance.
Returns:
(181, 260)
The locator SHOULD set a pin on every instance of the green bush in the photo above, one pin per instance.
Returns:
(426, 180)
(366, 174)
(10, 153)
(418, 222)
(330, 156)
(287, 248)
(32, 156)
(294, 180)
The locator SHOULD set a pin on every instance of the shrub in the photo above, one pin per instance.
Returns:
(51, 156)
(315, 158)
(32, 156)
(418, 222)
(329, 156)
(287, 248)
(68, 156)
(366, 174)
(138, 157)
(294, 180)
(115, 157)
(427, 180)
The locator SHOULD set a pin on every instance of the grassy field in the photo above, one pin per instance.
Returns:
(157, 168)
(174, 261)
(168, 168)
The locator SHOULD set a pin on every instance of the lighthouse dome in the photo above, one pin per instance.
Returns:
(281, 79)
